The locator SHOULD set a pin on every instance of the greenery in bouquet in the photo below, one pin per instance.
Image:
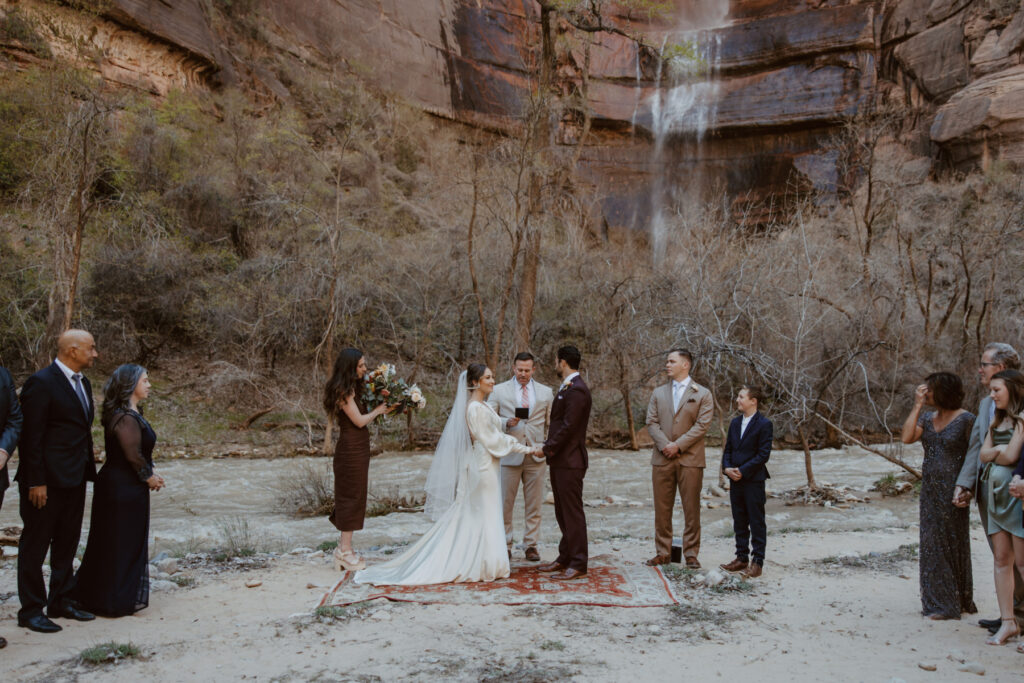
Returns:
(383, 385)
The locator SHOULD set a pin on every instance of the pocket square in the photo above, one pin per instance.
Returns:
(692, 400)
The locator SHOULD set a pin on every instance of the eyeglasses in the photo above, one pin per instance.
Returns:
(983, 364)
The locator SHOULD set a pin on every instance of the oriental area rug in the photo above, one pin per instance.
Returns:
(609, 583)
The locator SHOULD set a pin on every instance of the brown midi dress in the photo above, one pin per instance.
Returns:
(351, 471)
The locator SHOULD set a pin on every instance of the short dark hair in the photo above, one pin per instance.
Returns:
(524, 355)
(683, 353)
(754, 392)
(474, 372)
(947, 390)
(571, 355)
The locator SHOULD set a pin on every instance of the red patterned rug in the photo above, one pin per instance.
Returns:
(609, 583)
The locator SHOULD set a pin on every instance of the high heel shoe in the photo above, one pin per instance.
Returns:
(348, 561)
(1012, 635)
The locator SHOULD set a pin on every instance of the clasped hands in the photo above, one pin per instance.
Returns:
(1017, 487)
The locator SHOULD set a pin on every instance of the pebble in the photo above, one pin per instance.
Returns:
(927, 666)
(253, 583)
(160, 585)
(972, 668)
(300, 551)
(167, 565)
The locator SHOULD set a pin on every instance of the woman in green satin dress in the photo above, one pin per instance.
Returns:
(1000, 452)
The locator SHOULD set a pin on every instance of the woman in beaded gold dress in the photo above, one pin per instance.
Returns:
(1000, 453)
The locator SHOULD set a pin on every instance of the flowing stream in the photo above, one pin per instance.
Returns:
(207, 499)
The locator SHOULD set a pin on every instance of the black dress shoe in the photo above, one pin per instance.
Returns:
(990, 624)
(39, 624)
(3, 643)
(70, 612)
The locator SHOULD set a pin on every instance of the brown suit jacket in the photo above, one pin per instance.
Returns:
(686, 427)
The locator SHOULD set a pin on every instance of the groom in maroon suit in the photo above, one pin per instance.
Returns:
(566, 452)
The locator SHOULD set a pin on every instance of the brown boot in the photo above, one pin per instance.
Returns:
(753, 571)
(532, 555)
(736, 565)
(657, 560)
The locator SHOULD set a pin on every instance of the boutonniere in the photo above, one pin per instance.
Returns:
(565, 385)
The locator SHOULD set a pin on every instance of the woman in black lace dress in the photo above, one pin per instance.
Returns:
(113, 580)
(947, 588)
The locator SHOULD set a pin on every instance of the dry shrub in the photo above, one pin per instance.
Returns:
(307, 491)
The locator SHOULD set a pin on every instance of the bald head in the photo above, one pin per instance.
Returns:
(76, 349)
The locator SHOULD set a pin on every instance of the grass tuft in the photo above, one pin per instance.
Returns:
(109, 652)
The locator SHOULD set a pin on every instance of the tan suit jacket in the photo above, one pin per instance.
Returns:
(506, 398)
(686, 427)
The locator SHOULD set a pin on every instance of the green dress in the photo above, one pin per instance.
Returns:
(1004, 511)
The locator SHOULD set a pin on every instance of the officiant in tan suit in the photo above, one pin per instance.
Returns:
(531, 399)
(678, 417)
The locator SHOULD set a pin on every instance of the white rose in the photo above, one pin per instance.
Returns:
(416, 396)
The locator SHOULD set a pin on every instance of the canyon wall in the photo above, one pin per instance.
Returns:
(789, 73)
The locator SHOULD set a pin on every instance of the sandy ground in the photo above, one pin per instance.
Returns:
(804, 620)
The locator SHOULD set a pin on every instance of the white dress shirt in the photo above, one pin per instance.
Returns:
(68, 372)
(565, 382)
(743, 425)
(678, 389)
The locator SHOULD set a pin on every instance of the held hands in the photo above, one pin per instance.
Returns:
(512, 422)
(1017, 487)
(155, 482)
(733, 473)
(962, 497)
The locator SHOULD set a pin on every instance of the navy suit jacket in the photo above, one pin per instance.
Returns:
(566, 445)
(10, 423)
(749, 453)
(56, 439)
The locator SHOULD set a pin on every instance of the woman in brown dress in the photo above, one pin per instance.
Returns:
(343, 402)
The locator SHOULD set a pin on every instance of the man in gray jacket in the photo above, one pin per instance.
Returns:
(995, 358)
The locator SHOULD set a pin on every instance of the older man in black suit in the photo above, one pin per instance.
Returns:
(746, 452)
(56, 460)
(10, 429)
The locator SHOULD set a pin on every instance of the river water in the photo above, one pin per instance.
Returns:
(207, 500)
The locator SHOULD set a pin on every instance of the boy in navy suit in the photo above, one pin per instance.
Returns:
(746, 451)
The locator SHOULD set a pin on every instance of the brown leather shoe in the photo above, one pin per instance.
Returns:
(657, 560)
(569, 575)
(753, 571)
(736, 565)
(692, 563)
(551, 567)
(510, 553)
(532, 555)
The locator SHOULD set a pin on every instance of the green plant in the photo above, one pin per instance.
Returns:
(16, 26)
(330, 612)
(552, 645)
(393, 500)
(327, 546)
(108, 652)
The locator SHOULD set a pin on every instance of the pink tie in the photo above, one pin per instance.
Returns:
(526, 397)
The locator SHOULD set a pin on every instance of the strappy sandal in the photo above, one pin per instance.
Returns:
(1013, 635)
(348, 561)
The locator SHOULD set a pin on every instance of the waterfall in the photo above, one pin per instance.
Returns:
(684, 105)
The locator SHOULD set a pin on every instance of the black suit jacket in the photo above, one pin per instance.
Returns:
(566, 445)
(749, 453)
(10, 423)
(56, 439)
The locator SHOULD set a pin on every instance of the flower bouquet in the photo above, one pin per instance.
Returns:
(383, 385)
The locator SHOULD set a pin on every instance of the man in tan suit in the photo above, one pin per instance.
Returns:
(678, 416)
(534, 399)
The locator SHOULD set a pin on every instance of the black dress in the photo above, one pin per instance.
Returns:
(113, 580)
(947, 587)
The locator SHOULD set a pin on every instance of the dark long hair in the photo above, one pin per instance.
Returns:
(344, 382)
(118, 390)
(1014, 381)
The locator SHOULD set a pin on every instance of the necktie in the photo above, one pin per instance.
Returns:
(526, 396)
(81, 393)
(677, 390)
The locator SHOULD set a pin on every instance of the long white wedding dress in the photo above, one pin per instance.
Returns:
(467, 542)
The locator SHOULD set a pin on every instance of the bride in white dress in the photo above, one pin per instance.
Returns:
(467, 541)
